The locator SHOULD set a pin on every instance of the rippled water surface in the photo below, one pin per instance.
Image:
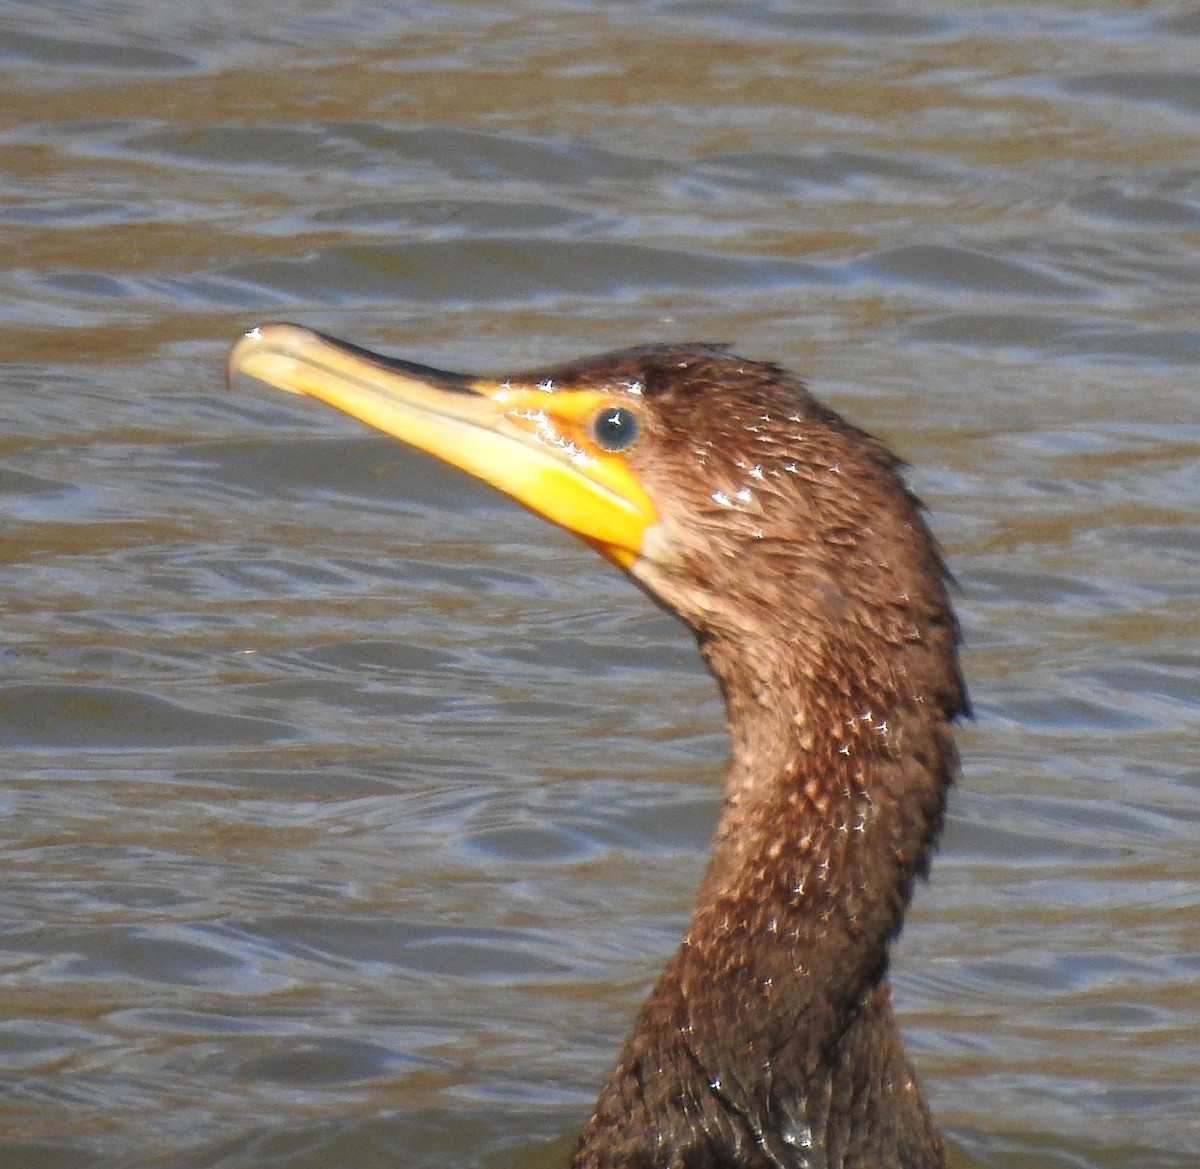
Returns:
(349, 811)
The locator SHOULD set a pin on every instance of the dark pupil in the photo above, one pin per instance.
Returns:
(615, 428)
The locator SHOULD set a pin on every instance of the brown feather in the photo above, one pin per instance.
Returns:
(790, 543)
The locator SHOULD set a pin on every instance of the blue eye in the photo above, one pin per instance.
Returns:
(615, 428)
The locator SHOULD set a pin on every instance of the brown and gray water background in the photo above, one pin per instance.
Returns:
(349, 811)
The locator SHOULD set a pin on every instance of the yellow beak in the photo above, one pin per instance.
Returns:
(531, 442)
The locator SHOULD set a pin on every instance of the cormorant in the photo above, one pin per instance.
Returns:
(788, 541)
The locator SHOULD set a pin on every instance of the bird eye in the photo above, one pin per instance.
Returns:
(615, 428)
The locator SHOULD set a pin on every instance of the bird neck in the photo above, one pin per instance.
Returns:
(833, 799)
(772, 1023)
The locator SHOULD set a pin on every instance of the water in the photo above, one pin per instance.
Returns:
(349, 812)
